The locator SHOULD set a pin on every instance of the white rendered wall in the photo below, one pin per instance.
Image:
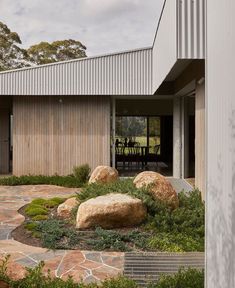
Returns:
(220, 111)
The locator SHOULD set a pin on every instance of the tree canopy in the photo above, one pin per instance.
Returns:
(12, 56)
(63, 50)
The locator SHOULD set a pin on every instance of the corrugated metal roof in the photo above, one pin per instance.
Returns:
(135, 72)
(123, 73)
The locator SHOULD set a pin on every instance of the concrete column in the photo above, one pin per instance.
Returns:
(113, 131)
(200, 138)
(177, 137)
(185, 137)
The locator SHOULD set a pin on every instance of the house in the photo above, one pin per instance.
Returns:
(64, 113)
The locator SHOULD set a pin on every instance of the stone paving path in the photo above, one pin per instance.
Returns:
(88, 266)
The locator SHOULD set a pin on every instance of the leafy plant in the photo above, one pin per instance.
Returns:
(65, 181)
(40, 217)
(181, 229)
(175, 242)
(190, 278)
(40, 207)
(31, 226)
(81, 173)
(34, 210)
(55, 234)
(108, 239)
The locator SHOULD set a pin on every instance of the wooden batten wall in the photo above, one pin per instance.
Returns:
(5, 110)
(200, 169)
(52, 133)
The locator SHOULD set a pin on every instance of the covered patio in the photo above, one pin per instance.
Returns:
(142, 135)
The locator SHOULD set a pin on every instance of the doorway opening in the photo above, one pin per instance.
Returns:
(142, 136)
(6, 154)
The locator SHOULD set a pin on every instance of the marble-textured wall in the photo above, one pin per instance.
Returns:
(220, 119)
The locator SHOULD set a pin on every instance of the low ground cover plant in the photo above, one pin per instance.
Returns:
(190, 278)
(169, 230)
(77, 179)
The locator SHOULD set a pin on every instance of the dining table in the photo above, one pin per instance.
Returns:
(144, 152)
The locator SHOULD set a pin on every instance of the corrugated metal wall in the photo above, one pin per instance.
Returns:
(52, 134)
(191, 29)
(117, 74)
(164, 46)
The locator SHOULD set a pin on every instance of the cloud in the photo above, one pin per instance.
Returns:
(102, 25)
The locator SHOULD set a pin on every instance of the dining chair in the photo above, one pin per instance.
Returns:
(156, 151)
(134, 155)
(120, 155)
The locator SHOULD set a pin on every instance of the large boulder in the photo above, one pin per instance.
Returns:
(103, 174)
(64, 210)
(159, 187)
(111, 211)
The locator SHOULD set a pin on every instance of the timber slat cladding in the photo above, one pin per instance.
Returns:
(52, 133)
(147, 267)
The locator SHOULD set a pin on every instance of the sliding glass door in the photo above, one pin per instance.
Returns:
(144, 130)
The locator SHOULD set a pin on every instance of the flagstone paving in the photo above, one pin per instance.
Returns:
(89, 266)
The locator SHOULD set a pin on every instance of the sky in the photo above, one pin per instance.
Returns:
(103, 26)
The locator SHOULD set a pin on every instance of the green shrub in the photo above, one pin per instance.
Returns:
(38, 209)
(31, 226)
(39, 201)
(58, 200)
(108, 239)
(65, 181)
(81, 173)
(34, 210)
(40, 217)
(175, 242)
(190, 278)
(45, 203)
(55, 234)
(182, 229)
(120, 282)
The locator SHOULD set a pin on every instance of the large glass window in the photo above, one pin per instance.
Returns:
(154, 135)
(146, 131)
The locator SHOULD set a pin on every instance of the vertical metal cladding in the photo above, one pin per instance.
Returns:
(116, 74)
(191, 29)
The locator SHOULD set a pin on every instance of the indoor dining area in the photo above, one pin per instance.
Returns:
(143, 136)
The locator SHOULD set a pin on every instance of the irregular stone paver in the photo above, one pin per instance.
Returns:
(89, 266)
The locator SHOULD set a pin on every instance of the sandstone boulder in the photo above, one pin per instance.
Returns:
(111, 211)
(159, 186)
(64, 210)
(103, 174)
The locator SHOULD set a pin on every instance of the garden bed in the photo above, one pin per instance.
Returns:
(168, 230)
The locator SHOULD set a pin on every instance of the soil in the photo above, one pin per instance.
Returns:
(4, 284)
(24, 236)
